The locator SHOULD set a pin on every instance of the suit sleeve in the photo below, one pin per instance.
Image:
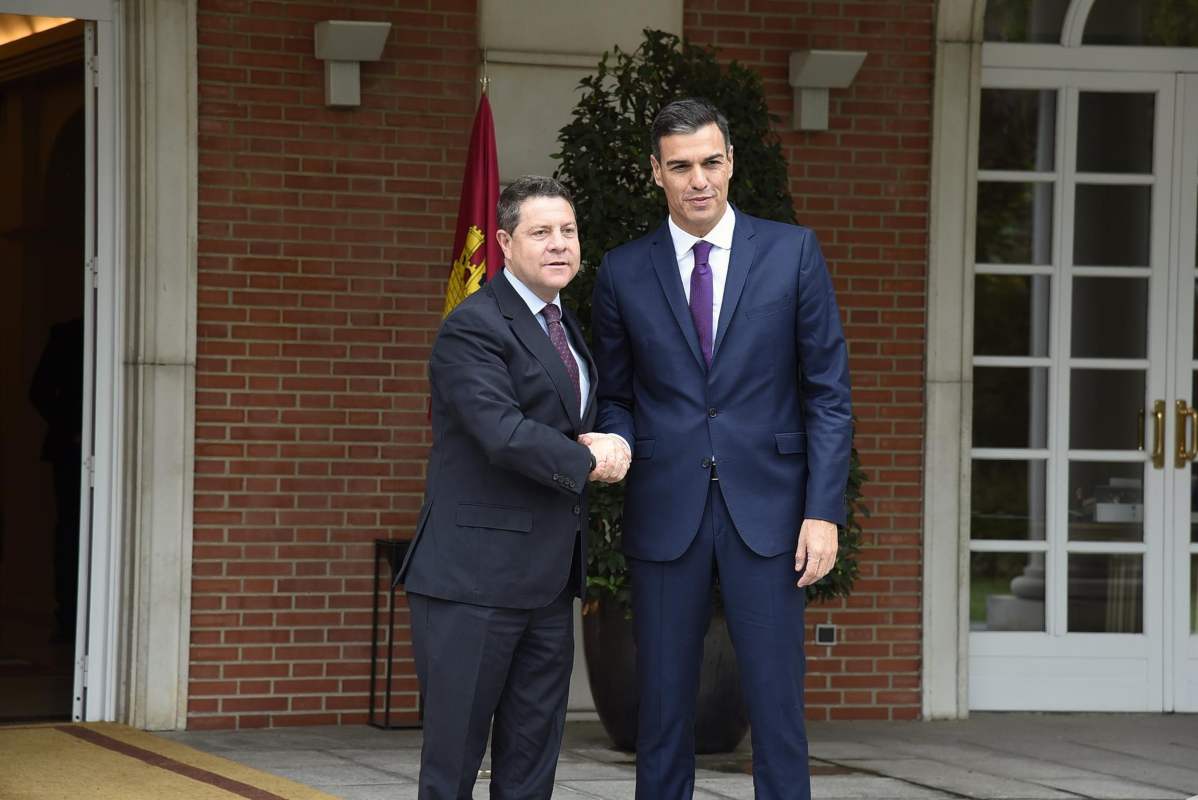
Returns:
(824, 367)
(613, 359)
(467, 369)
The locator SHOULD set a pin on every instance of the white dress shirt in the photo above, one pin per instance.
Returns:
(535, 304)
(721, 238)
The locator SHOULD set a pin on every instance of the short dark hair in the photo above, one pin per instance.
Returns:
(524, 188)
(687, 115)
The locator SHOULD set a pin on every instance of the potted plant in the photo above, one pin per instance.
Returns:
(605, 163)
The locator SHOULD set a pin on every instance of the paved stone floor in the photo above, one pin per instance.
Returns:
(1009, 756)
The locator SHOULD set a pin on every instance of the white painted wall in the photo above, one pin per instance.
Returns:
(534, 69)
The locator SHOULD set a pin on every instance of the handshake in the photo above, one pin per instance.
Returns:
(612, 456)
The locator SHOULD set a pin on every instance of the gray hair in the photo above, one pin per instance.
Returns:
(687, 116)
(524, 188)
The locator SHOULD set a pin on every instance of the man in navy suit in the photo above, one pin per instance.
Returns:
(498, 553)
(722, 362)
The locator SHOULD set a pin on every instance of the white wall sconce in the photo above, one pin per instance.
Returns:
(343, 45)
(812, 74)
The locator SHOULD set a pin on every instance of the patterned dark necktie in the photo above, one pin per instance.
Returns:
(701, 297)
(557, 335)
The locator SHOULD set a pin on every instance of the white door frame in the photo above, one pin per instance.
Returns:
(960, 55)
(88, 549)
(97, 627)
(1055, 670)
(138, 565)
(102, 667)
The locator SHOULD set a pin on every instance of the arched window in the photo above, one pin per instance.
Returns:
(1025, 21)
(1124, 23)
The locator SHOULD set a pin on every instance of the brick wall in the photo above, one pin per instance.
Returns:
(324, 237)
(863, 186)
(324, 241)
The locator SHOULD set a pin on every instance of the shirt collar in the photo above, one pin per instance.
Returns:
(720, 235)
(535, 304)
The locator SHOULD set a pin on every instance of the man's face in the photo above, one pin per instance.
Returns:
(694, 171)
(543, 250)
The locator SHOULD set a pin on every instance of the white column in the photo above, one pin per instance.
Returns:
(948, 390)
(159, 93)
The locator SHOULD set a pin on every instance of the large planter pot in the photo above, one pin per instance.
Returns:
(721, 720)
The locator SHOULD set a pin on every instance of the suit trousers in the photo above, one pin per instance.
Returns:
(502, 671)
(671, 611)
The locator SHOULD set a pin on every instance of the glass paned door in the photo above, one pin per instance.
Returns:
(1072, 455)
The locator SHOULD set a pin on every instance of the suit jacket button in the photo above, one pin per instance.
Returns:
(711, 412)
(577, 509)
(706, 463)
(557, 477)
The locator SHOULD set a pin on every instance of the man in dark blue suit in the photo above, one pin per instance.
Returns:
(498, 553)
(722, 362)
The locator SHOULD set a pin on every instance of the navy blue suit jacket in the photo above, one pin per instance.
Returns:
(506, 476)
(773, 410)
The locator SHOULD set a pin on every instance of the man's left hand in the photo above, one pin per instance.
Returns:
(816, 553)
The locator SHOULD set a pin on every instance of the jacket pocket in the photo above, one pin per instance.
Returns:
(791, 442)
(504, 518)
(643, 448)
(772, 307)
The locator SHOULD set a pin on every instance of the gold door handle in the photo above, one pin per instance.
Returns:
(1186, 415)
(1158, 434)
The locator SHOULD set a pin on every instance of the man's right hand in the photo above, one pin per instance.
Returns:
(612, 456)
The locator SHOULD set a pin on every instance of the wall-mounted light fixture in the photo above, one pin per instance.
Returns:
(343, 45)
(812, 74)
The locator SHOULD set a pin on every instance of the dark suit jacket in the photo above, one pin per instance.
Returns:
(506, 476)
(773, 410)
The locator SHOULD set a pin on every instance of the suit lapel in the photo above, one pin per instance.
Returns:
(743, 251)
(530, 334)
(665, 263)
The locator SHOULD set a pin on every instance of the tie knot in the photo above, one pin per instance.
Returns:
(551, 313)
(702, 251)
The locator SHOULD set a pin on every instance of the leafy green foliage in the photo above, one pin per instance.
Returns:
(607, 572)
(604, 159)
(1174, 23)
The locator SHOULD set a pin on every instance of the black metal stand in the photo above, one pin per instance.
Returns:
(394, 552)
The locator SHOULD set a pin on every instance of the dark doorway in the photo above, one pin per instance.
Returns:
(42, 243)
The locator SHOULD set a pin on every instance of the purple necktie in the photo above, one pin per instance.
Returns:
(701, 297)
(557, 335)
